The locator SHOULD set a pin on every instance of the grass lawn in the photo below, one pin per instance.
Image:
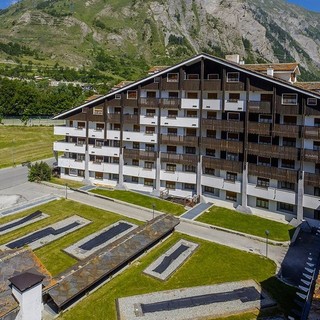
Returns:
(70, 183)
(51, 255)
(250, 224)
(142, 200)
(210, 264)
(19, 144)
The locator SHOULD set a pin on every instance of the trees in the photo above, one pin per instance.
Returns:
(39, 172)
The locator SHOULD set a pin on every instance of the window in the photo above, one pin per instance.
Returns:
(170, 167)
(150, 130)
(81, 173)
(209, 171)
(192, 114)
(99, 143)
(66, 171)
(211, 134)
(264, 161)
(172, 131)
(317, 191)
(231, 176)
(190, 150)
(151, 94)
(81, 141)
(289, 120)
(265, 118)
(311, 101)
(289, 164)
(170, 185)
(172, 77)
(232, 196)
(188, 186)
(213, 76)
(98, 111)
(262, 203)
(263, 183)
(171, 149)
(148, 165)
(157, 79)
(234, 97)
(117, 110)
(316, 145)
(233, 136)
(99, 126)
(210, 152)
(135, 162)
(212, 95)
(150, 112)
(232, 156)
(98, 159)
(80, 157)
(149, 147)
(192, 95)
(117, 96)
(172, 113)
(211, 115)
(135, 145)
(285, 207)
(115, 160)
(136, 128)
(234, 116)
(190, 132)
(192, 76)
(73, 172)
(136, 111)
(289, 142)
(116, 143)
(132, 94)
(115, 176)
(173, 94)
(289, 98)
(116, 126)
(233, 76)
(317, 122)
(264, 140)
(286, 185)
(317, 168)
(189, 168)
(207, 189)
(71, 123)
(134, 179)
(98, 175)
(81, 125)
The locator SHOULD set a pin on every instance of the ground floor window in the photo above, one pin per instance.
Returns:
(81, 173)
(285, 207)
(232, 196)
(317, 214)
(208, 189)
(209, 171)
(262, 203)
(263, 183)
(148, 182)
(189, 186)
(115, 176)
(170, 185)
(134, 179)
(98, 175)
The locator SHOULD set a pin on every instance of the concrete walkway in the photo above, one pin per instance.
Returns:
(197, 211)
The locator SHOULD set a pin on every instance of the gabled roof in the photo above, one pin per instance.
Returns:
(312, 86)
(194, 59)
(277, 67)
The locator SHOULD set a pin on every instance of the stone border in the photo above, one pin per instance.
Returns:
(175, 264)
(43, 216)
(130, 307)
(60, 224)
(81, 254)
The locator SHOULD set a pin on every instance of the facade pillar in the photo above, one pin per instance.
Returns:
(156, 190)
(86, 167)
(244, 197)
(120, 185)
(199, 175)
(299, 195)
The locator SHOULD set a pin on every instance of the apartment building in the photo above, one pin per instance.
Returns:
(206, 127)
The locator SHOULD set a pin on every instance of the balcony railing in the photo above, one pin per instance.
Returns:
(273, 173)
(212, 85)
(219, 144)
(312, 132)
(173, 103)
(149, 102)
(191, 84)
(179, 140)
(311, 155)
(221, 164)
(224, 125)
(191, 159)
(131, 118)
(259, 128)
(312, 111)
(312, 179)
(286, 130)
(139, 154)
(273, 151)
(259, 106)
(114, 117)
(287, 109)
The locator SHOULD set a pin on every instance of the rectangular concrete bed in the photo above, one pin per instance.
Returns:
(91, 272)
(196, 302)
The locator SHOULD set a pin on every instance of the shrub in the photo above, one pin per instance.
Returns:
(39, 172)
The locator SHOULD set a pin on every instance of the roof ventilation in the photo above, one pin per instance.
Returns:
(270, 71)
(233, 58)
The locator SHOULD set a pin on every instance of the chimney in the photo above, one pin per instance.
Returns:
(270, 71)
(233, 58)
(27, 289)
(242, 62)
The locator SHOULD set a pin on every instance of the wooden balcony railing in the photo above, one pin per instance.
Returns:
(221, 164)
(149, 102)
(130, 102)
(287, 109)
(168, 85)
(139, 154)
(259, 106)
(312, 132)
(173, 103)
(190, 159)
(131, 118)
(179, 140)
(212, 85)
(224, 125)
(312, 179)
(189, 84)
(286, 130)
(273, 151)
(114, 117)
(273, 173)
(219, 144)
(312, 111)
(259, 128)
(311, 155)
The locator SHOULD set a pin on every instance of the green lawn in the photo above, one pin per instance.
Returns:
(19, 144)
(246, 223)
(142, 200)
(51, 255)
(70, 183)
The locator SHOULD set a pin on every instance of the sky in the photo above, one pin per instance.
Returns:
(308, 4)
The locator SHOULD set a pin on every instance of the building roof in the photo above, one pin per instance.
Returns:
(26, 280)
(312, 86)
(13, 263)
(194, 59)
(156, 69)
(93, 97)
(277, 67)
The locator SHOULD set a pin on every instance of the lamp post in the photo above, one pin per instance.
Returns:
(66, 191)
(267, 232)
(153, 206)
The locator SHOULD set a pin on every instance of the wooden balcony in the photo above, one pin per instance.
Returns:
(287, 109)
(172, 103)
(151, 86)
(312, 132)
(221, 164)
(189, 159)
(273, 173)
(286, 130)
(312, 179)
(179, 140)
(114, 117)
(212, 85)
(226, 145)
(223, 125)
(191, 85)
(312, 111)
(148, 102)
(114, 103)
(235, 86)
(311, 155)
(273, 151)
(168, 85)
(259, 128)
(130, 102)
(259, 106)
(131, 118)
(139, 154)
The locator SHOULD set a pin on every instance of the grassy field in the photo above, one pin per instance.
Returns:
(70, 183)
(142, 200)
(20, 144)
(250, 224)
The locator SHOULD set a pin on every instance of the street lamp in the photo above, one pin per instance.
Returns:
(66, 191)
(267, 232)
(153, 206)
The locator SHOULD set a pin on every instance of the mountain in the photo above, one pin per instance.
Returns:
(124, 38)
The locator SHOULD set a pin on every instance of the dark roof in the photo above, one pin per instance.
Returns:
(290, 67)
(26, 280)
